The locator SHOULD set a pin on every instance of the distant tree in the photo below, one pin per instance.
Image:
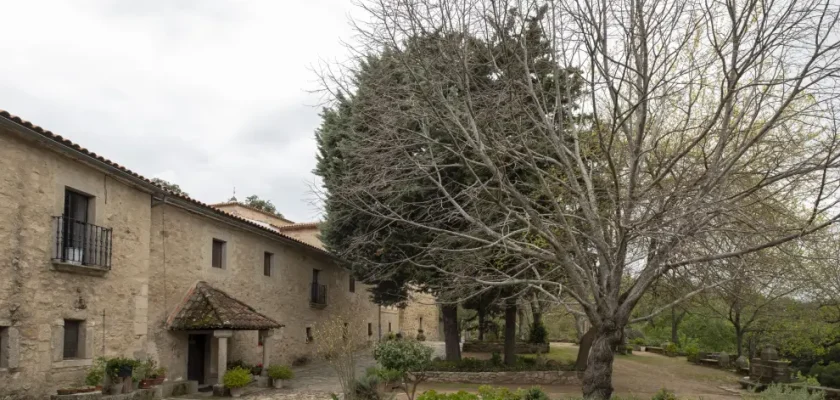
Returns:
(254, 201)
(172, 187)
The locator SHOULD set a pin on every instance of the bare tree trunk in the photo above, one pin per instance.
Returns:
(510, 331)
(739, 340)
(451, 336)
(481, 312)
(597, 378)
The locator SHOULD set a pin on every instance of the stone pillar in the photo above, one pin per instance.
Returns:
(221, 360)
(266, 342)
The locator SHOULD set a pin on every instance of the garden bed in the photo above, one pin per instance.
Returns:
(499, 347)
(167, 389)
(506, 377)
(523, 364)
(830, 393)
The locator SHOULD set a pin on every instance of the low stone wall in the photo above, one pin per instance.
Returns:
(167, 389)
(499, 347)
(511, 377)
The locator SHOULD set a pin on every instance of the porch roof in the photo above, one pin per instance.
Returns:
(206, 308)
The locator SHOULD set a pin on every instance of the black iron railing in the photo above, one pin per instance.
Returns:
(78, 242)
(319, 294)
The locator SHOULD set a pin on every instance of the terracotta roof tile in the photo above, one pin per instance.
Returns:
(206, 307)
(59, 139)
(298, 226)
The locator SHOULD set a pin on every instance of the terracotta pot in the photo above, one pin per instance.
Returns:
(278, 383)
(159, 380)
(147, 383)
(236, 392)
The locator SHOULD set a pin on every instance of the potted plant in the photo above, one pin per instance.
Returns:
(256, 370)
(96, 373)
(278, 374)
(118, 369)
(638, 343)
(236, 379)
(159, 375)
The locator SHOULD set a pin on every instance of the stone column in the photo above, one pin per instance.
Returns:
(221, 360)
(266, 342)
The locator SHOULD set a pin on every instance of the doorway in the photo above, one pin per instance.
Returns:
(196, 353)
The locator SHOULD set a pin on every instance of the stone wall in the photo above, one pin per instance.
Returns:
(421, 306)
(499, 347)
(35, 298)
(181, 255)
(503, 378)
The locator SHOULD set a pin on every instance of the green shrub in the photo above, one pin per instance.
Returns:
(280, 372)
(433, 395)
(664, 394)
(827, 375)
(237, 377)
(96, 373)
(671, 348)
(538, 334)
(639, 341)
(493, 393)
(783, 392)
(384, 374)
(365, 388)
(469, 364)
(496, 359)
(114, 365)
(692, 352)
(403, 355)
(810, 380)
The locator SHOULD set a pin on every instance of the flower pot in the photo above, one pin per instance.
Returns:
(236, 392)
(147, 383)
(278, 383)
(115, 389)
(159, 380)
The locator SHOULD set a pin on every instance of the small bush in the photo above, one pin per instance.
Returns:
(384, 375)
(827, 375)
(403, 355)
(639, 341)
(96, 373)
(692, 352)
(496, 359)
(538, 334)
(810, 380)
(671, 348)
(469, 364)
(237, 377)
(782, 392)
(365, 388)
(664, 394)
(433, 395)
(492, 393)
(280, 372)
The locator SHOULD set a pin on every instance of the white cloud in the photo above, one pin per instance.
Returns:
(210, 94)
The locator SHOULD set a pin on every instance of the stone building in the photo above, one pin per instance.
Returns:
(99, 261)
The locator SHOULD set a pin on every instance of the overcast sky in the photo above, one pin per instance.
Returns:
(209, 94)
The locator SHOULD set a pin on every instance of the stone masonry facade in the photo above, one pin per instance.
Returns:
(161, 244)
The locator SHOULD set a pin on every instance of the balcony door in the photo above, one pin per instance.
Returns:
(76, 207)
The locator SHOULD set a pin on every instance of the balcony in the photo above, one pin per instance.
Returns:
(81, 247)
(318, 296)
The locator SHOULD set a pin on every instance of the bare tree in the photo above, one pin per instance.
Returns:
(339, 340)
(693, 113)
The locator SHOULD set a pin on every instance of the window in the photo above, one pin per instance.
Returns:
(389, 327)
(75, 229)
(268, 260)
(4, 347)
(309, 337)
(370, 329)
(352, 285)
(72, 342)
(76, 206)
(218, 253)
(316, 274)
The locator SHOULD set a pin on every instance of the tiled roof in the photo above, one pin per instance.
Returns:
(298, 226)
(69, 144)
(206, 307)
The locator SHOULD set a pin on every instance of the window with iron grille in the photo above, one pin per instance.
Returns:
(352, 285)
(4, 347)
(77, 240)
(72, 343)
(370, 329)
(268, 260)
(218, 253)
